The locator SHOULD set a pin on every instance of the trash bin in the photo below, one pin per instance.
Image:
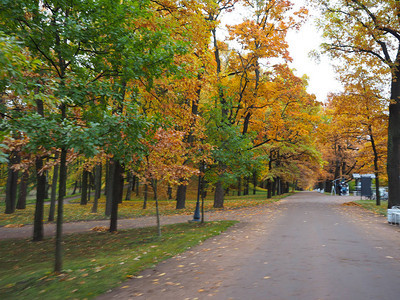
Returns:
(396, 218)
(391, 214)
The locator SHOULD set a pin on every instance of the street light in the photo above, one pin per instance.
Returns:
(196, 216)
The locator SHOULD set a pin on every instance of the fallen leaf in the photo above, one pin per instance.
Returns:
(99, 228)
(14, 225)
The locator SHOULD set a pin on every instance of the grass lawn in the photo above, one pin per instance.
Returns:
(132, 209)
(371, 205)
(93, 263)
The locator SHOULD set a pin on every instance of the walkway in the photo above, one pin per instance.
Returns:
(307, 246)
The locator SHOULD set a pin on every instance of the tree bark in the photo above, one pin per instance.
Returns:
(117, 192)
(239, 191)
(246, 186)
(107, 177)
(181, 196)
(137, 187)
(23, 191)
(130, 187)
(97, 187)
(376, 166)
(269, 187)
(273, 184)
(75, 187)
(84, 184)
(12, 184)
(154, 185)
(169, 192)
(145, 195)
(109, 187)
(46, 190)
(97, 180)
(53, 197)
(393, 154)
(219, 195)
(60, 210)
(40, 196)
(254, 182)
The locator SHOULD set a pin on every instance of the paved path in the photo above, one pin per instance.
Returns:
(307, 246)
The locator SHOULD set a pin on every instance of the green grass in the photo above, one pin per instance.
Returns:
(133, 209)
(93, 263)
(371, 205)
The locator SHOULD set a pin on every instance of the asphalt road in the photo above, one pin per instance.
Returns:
(308, 246)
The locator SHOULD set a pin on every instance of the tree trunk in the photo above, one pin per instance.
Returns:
(254, 182)
(75, 187)
(169, 192)
(278, 186)
(137, 187)
(46, 190)
(246, 186)
(107, 178)
(219, 195)
(145, 194)
(97, 180)
(89, 186)
(121, 185)
(40, 189)
(393, 154)
(60, 210)
(154, 185)
(269, 187)
(376, 166)
(181, 196)
(84, 184)
(12, 184)
(40, 196)
(97, 187)
(274, 185)
(130, 187)
(23, 191)
(53, 193)
(109, 187)
(117, 192)
(239, 192)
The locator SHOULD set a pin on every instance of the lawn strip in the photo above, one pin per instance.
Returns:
(371, 205)
(133, 209)
(94, 262)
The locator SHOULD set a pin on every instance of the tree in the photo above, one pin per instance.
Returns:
(165, 161)
(368, 33)
(361, 110)
(241, 77)
(79, 43)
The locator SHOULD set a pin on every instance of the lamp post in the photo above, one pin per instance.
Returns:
(196, 216)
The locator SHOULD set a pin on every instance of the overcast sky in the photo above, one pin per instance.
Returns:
(321, 74)
(322, 77)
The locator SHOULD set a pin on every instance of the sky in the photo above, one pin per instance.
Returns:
(321, 73)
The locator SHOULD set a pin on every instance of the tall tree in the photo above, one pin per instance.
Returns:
(73, 40)
(368, 33)
(361, 109)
